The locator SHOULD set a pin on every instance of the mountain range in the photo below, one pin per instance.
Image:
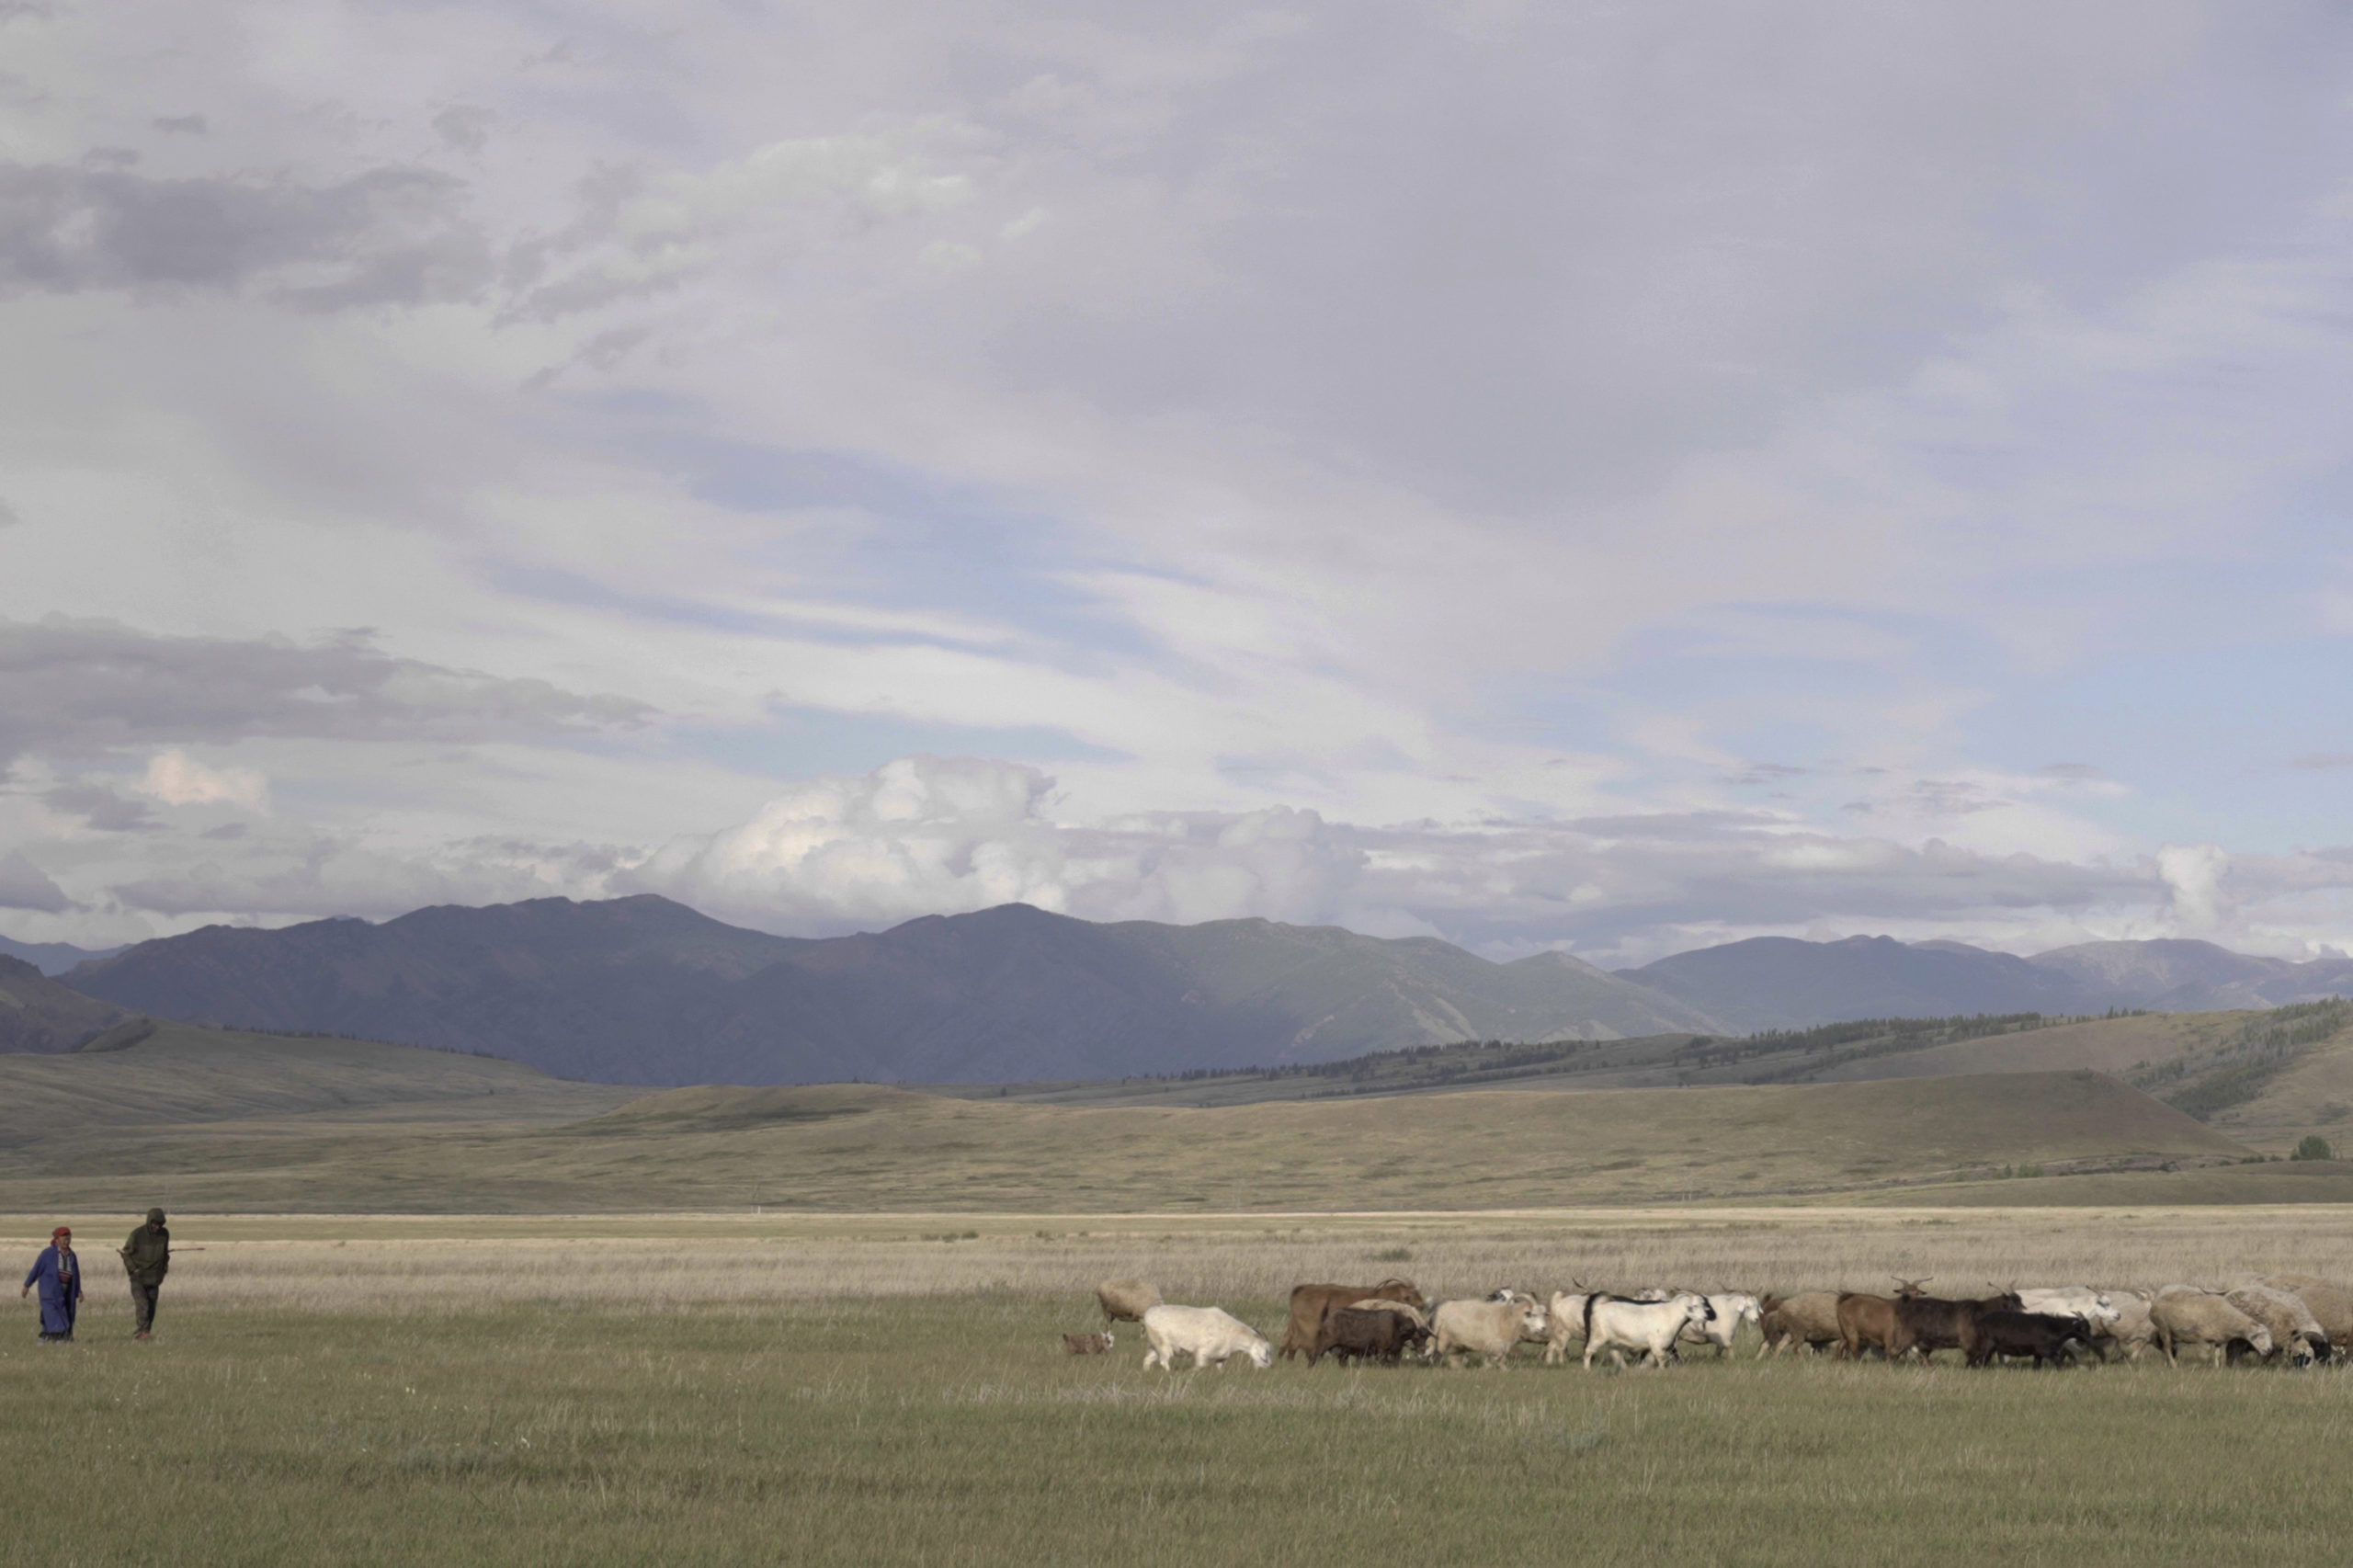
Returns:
(39, 1014)
(645, 991)
(52, 958)
(1769, 982)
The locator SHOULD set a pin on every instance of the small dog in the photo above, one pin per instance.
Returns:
(1086, 1343)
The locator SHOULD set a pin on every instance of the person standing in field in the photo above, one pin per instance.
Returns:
(148, 1257)
(58, 1272)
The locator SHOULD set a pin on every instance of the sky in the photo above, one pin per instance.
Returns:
(1597, 477)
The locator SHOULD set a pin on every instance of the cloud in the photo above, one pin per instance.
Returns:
(77, 688)
(466, 127)
(2321, 760)
(928, 835)
(642, 234)
(310, 875)
(24, 885)
(2195, 872)
(1562, 428)
(99, 808)
(178, 779)
(388, 235)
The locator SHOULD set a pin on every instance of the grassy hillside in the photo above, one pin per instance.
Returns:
(2269, 1182)
(1884, 1048)
(231, 1121)
(182, 1075)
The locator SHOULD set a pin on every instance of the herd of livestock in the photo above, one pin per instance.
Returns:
(2290, 1320)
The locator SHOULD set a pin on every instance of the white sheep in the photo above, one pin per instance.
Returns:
(2294, 1331)
(1490, 1328)
(1208, 1335)
(2331, 1305)
(1731, 1309)
(2190, 1314)
(2131, 1331)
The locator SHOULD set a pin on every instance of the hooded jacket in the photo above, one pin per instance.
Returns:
(148, 1255)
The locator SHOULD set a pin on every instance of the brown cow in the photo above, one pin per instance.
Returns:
(1930, 1323)
(1866, 1320)
(1309, 1303)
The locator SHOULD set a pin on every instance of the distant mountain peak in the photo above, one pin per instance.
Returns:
(647, 991)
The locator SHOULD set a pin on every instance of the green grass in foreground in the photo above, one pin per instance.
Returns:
(953, 1431)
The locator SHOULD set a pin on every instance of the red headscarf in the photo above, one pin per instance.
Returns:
(65, 1231)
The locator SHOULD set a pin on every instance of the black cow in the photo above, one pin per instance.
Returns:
(1353, 1333)
(2002, 1333)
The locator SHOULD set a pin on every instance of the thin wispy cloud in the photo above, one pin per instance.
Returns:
(1606, 477)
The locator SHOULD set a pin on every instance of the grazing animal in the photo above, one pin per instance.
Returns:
(1403, 1308)
(2331, 1305)
(1998, 1331)
(1208, 1335)
(1867, 1321)
(1809, 1319)
(2095, 1307)
(2296, 1335)
(2186, 1315)
(1930, 1323)
(1355, 1333)
(1565, 1316)
(1489, 1328)
(1086, 1343)
(2133, 1330)
(1730, 1309)
(1126, 1300)
(1648, 1327)
(1309, 1303)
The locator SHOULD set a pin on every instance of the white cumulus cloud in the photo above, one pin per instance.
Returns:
(178, 779)
(929, 835)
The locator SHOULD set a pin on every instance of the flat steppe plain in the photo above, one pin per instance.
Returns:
(888, 1388)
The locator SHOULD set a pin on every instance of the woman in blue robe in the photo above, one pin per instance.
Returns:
(58, 1273)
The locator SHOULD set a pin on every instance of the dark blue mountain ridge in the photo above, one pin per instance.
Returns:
(644, 989)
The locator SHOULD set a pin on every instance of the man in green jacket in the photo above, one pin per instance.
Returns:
(148, 1257)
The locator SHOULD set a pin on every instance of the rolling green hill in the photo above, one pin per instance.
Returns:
(224, 1120)
(178, 1076)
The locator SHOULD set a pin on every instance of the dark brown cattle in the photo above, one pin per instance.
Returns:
(1996, 1331)
(1930, 1323)
(1353, 1333)
(1309, 1303)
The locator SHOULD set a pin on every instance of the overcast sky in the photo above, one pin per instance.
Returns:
(1611, 477)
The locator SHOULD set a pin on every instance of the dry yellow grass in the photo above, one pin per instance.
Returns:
(852, 1389)
(401, 1266)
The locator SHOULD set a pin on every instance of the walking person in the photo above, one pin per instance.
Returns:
(58, 1272)
(147, 1257)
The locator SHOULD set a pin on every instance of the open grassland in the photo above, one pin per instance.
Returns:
(862, 1147)
(855, 1389)
(1886, 1048)
(410, 1264)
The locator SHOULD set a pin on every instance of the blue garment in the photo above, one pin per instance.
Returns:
(61, 1292)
